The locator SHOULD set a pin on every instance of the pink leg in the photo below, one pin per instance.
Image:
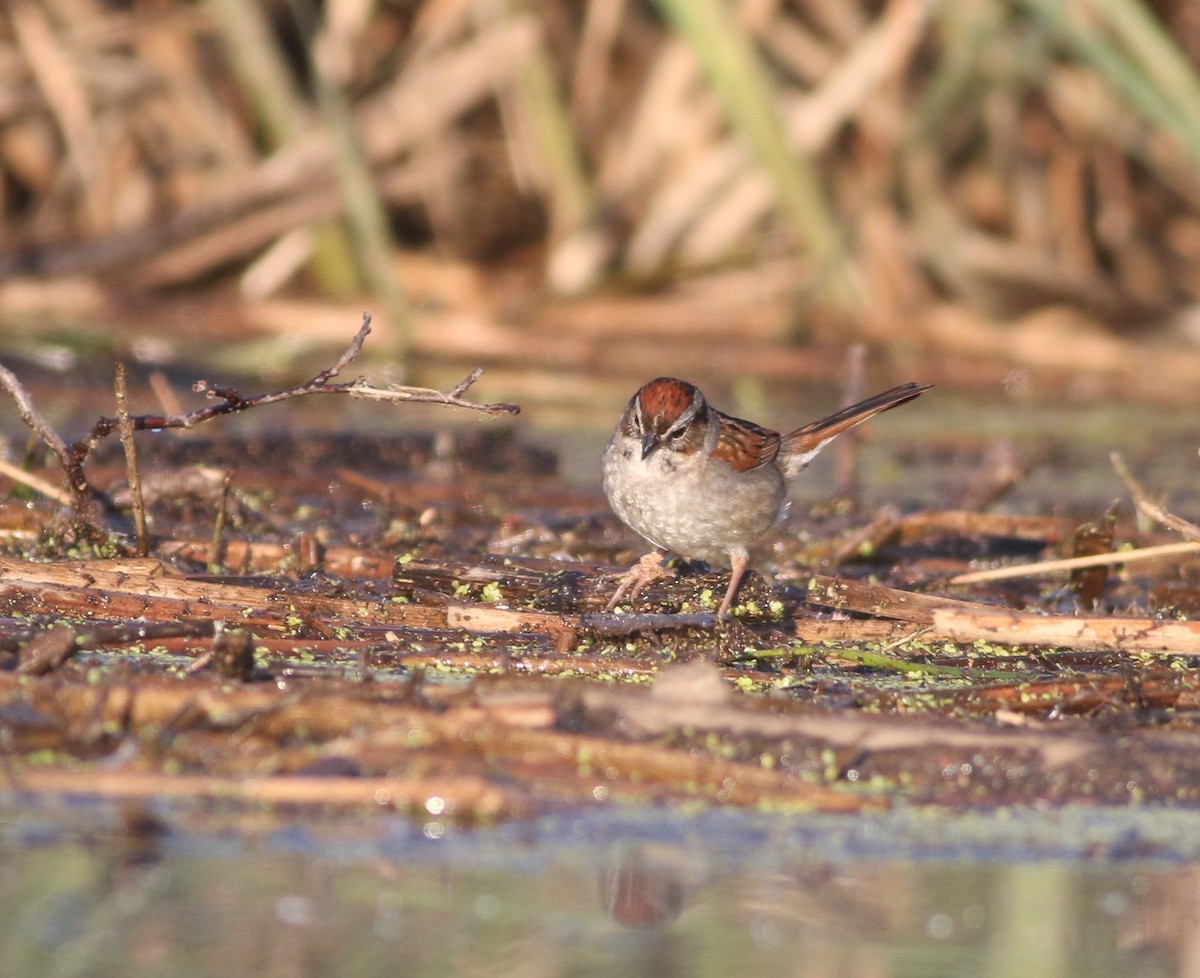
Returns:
(738, 562)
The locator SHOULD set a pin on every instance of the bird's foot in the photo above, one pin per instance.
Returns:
(652, 567)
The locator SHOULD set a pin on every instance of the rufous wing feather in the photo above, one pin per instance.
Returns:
(743, 445)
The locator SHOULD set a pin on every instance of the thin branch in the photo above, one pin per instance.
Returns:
(214, 548)
(1151, 509)
(428, 396)
(1186, 528)
(30, 415)
(1136, 490)
(350, 353)
(131, 463)
(83, 497)
(231, 401)
(461, 387)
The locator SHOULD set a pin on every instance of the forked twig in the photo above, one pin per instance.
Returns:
(231, 401)
(453, 397)
(72, 457)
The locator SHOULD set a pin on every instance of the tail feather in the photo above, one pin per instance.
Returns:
(801, 445)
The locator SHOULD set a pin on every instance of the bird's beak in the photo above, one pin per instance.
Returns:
(649, 443)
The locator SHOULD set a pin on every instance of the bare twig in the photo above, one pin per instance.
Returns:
(83, 496)
(131, 463)
(429, 396)
(1151, 510)
(30, 415)
(1136, 489)
(867, 539)
(1186, 528)
(1044, 529)
(461, 387)
(214, 550)
(999, 470)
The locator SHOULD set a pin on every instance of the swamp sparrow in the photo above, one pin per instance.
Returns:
(705, 485)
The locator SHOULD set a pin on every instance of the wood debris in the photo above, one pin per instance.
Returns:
(417, 672)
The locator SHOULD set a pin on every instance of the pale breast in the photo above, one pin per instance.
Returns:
(691, 505)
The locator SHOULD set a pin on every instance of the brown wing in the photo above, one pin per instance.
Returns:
(743, 445)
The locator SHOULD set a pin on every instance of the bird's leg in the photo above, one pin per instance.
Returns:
(650, 568)
(738, 562)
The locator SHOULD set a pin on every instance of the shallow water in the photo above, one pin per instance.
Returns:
(1073, 892)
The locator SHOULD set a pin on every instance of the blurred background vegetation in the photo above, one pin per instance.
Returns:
(996, 195)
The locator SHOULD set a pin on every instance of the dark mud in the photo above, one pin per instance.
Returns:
(418, 620)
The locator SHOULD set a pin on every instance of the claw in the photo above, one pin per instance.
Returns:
(651, 567)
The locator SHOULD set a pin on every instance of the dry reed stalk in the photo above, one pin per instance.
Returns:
(541, 140)
(414, 108)
(1068, 632)
(1167, 551)
(1036, 191)
(594, 66)
(457, 797)
(671, 122)
(880, 601)
(57, 72)
(1064, 697)
(807, 55)
(850, 631)
(135, 593)
(355, 727)
(37, 484)
(747, 94)
(261, 555)
(812, 123)
(1019, 526)
(641, 714)
(695, 174)
(283, 114)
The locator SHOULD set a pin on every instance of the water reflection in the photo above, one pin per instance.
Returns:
(644, 886)
(675, 897)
